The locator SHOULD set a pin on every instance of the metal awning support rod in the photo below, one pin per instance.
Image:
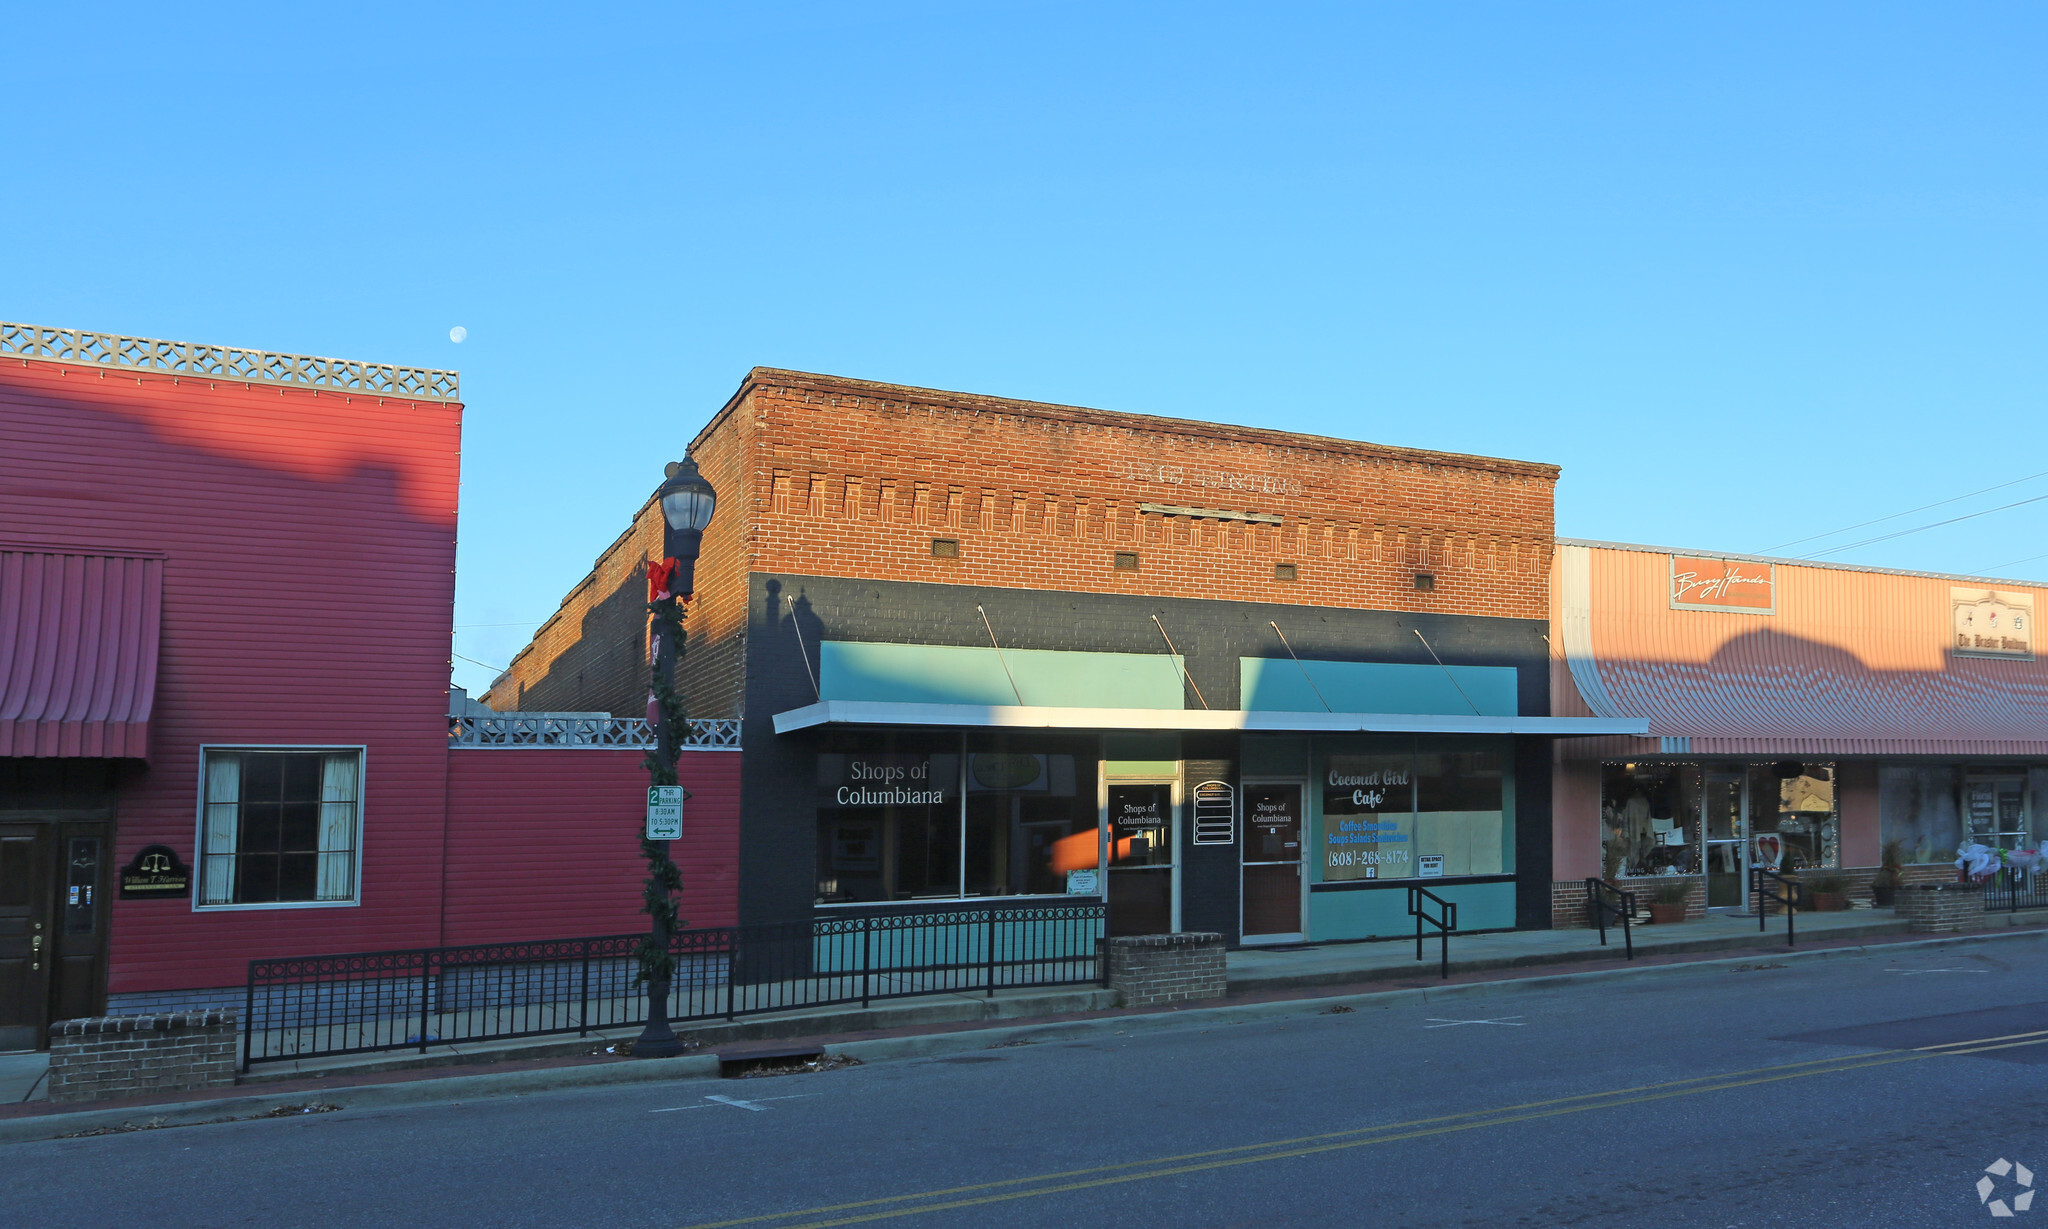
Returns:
(1185, 677)
(1297, 661)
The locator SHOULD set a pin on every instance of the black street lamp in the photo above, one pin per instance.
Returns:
(687, 502)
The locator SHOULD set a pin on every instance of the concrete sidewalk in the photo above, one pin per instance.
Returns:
(1338, 964)
(1262, 982)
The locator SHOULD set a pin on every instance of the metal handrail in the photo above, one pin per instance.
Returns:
(1446, 921)
(1789, 897)
(1623, 907)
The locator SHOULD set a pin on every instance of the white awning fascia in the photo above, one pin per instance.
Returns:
(872, 712)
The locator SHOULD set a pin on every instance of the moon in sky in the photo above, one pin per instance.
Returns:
(457, 333)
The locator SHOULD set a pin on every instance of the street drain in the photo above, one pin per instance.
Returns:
(798, 1060)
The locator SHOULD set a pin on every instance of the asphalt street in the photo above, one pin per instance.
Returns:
(1872, 1090)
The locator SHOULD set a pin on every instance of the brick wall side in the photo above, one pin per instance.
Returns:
(858, 484)
(592, 655)
(839, 478)
(140, 1057)
(1146, 974)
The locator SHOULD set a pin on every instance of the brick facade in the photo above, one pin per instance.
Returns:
(830, 477)
(1155, 970)
(131, 1056)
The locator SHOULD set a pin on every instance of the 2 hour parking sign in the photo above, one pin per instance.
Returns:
(664, 812)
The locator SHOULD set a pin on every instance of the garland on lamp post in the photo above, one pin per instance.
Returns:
(686, 503)
(664, 878)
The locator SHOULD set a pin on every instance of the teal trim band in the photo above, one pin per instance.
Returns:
(1276, 684)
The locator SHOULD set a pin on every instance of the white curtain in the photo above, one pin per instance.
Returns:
(223, 816)
(338, 781)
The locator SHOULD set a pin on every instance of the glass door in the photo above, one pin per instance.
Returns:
(1724, 814)
(1141, 858)
(1271, 902)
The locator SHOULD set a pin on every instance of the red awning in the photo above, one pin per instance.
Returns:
(78, 650)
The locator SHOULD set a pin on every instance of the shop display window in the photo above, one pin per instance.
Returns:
(915, 816)
(1792, 816)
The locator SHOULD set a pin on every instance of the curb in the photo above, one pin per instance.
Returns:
(453, 1088)
(367, 1096)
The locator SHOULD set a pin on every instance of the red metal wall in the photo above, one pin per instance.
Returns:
(545, 844)
(308, 583)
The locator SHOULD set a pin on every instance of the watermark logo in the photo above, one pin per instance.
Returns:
(2021, 1177)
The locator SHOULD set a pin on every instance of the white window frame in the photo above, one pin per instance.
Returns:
(362, 751)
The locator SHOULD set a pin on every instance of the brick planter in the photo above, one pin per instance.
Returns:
(129, 1056)
(1940, 908)
(1150, 970)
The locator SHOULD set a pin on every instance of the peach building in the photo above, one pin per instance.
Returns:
(1801, 715)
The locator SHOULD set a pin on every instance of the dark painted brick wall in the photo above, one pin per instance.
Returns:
(777, 878)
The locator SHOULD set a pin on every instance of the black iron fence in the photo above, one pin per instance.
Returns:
(313, 1006)
(2012, 889)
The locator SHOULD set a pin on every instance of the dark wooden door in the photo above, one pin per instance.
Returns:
(27, 928)
(1272, 861)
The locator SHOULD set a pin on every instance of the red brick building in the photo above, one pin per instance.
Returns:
(226, 580)
(1230, 678)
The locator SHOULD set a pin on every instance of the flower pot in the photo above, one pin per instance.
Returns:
(1827, 902)
(1881, 894)
(1662, 914)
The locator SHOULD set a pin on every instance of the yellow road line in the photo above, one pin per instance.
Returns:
(1334, 1141)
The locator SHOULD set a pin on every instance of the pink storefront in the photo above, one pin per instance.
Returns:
(226, 731)
(1802, 715)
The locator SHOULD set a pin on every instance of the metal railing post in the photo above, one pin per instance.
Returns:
(1450, 924)
(426, 966)
(866, 989)
(989, 956)
(249, 1017)
(583, 1010)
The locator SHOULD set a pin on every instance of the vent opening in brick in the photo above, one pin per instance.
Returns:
(945, 548)
(1423, 580)
(1126, 561)
(1283, 571)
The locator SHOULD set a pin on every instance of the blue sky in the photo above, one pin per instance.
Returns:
(1749, 273)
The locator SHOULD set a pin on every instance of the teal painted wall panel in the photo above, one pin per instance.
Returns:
(1276, 685)
(1383, 912)
(955, 674)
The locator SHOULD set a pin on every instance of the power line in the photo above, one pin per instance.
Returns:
(1968, 516)
(474, 662)
(2009, 563)
(1908, 512)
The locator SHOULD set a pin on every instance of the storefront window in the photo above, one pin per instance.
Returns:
(1650, 819)
(1390, 812)
(1030, 809)
(1995, 809)
(1792, 818)
(1457, 813)
(1369, 817)
(892, 825)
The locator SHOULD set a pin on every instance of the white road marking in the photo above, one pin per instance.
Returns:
(1504, 1022)
(1918, 972)
(734, 1102)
